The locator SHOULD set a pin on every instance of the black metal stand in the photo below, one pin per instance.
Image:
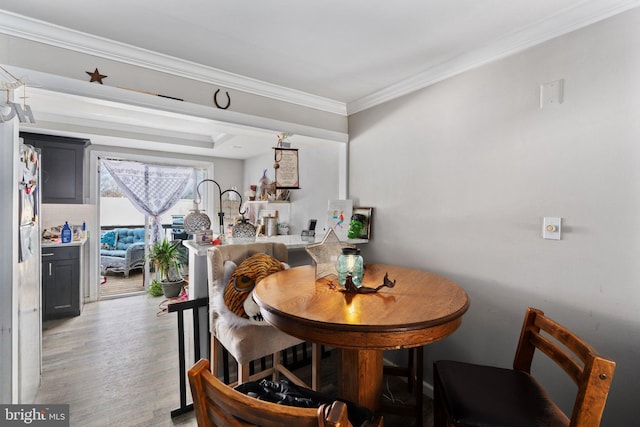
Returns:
(180, 307)
(220, 193)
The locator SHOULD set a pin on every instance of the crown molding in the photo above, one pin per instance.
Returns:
(42, 32)
(564, 22)
(133, 100)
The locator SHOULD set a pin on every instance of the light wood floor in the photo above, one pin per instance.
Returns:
(117, 365)
(117, 284)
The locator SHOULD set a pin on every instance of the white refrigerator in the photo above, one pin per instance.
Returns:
(29, 287)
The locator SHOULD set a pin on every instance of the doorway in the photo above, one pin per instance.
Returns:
(124, 231)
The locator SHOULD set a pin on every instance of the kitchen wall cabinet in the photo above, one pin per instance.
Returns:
(60, 281)
(62, 166)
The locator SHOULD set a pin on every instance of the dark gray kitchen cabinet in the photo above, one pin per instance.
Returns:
(61, 165)
(60, 282)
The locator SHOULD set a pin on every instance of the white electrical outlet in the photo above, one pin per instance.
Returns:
(552, 228)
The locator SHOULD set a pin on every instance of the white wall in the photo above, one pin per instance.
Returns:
(56, 214)
(320, 178)
(461, 174)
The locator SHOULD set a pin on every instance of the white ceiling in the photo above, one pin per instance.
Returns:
(353, 53)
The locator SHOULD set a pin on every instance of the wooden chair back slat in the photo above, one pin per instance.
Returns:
(562, 359)
(215, 403)
(591, 373)
(219, 418)
(570, 340)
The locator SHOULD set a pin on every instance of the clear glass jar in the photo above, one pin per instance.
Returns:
(350, 264)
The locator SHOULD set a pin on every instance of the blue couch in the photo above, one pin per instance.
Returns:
(122, 250)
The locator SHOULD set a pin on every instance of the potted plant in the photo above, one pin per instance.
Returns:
(167, 257)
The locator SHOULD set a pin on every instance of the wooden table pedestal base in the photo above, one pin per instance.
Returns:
(364, 384)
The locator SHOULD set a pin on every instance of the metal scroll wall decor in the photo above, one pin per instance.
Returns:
(10, 109)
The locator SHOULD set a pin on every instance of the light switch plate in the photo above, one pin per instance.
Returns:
(552, 228)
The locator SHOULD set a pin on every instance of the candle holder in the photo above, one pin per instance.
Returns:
(197, 220)
(350, 267)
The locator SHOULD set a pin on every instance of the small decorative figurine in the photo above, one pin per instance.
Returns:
(266, 188)
(355, 226)
(353, 289)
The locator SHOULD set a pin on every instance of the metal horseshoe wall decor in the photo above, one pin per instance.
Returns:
(215, 100)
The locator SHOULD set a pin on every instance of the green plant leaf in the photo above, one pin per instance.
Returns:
(155, 289)
(165, 255)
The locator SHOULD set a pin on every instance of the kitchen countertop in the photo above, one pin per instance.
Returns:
(291, 241)
(53, 243)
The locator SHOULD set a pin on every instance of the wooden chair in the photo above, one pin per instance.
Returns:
(247, 343)
(475, 395)
(217, 404)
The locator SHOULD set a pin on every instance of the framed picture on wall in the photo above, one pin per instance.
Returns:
(339, 214)
(367, 213)
(287, 177)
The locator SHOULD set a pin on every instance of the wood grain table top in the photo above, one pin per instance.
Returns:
(421, 308)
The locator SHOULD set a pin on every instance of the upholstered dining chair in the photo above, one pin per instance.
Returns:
(216, 404)
(248, 342)
(475, 395)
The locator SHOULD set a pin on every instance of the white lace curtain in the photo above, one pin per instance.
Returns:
(152, 189)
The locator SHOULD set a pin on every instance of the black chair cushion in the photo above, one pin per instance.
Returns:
(477, 395)
(284, 392)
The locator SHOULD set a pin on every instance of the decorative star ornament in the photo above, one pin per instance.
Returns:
(96, 76)
(325, 254)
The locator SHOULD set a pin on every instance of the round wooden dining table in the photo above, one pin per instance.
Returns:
(421, 308)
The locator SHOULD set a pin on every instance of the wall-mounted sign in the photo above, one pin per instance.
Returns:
(287, 177)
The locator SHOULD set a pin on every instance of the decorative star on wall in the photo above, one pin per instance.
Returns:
(325, 254)
(96, 76)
